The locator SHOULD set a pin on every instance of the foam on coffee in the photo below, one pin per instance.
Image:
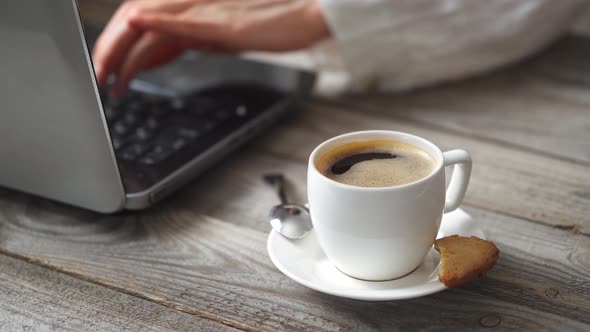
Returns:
(376, 163)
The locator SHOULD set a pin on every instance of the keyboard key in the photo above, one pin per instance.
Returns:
(148, 161)
(152, 123)
(139, 148)
(109, 112)
(117, 143)
(131, 118)
(158, 154)
(120, 128)
(179, 144)
(134, 151)
(178, 104)
(166, 154)
(241, 111)
(158, 149)
(188, 133)
(127, 156)
(143, 134)
(161, 150)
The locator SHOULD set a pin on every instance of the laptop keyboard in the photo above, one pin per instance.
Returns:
(148, 130)
(154, 135)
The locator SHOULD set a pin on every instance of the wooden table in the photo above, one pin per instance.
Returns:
(198, 260)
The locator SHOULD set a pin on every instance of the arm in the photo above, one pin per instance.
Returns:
(401, 44)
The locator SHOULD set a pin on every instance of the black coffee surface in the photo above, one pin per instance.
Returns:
(343, 165)
(376, 163)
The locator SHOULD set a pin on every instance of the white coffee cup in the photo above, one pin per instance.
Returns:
(383, 233)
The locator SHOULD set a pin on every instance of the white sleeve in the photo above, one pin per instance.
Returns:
(401, 44)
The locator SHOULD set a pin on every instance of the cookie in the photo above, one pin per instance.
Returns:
(464, 259)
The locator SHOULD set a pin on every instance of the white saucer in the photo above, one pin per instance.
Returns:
(305, 262)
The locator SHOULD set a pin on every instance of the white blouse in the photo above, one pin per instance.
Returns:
(402, 44)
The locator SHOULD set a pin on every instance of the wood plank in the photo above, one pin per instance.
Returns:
(178, 256)
(37, 299)
(542, 104)
(520, 183)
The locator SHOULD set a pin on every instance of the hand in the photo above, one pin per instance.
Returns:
(146, 33)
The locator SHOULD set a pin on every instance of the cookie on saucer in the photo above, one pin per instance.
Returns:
(464, 259)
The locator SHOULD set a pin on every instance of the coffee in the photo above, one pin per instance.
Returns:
(378, 163)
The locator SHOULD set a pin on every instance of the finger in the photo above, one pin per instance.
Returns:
(112, 42)
(119, 35)
(164, 55)
(169, 52)
(180, 26)
(153, 50)
(110, 53)
(137, 58)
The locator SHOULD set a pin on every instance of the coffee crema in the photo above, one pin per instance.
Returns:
(376, 163)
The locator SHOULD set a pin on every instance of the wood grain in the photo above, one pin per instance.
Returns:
(561, 72)
(495, 110)
(37, 299)
(176, 255)
(520, 183)
(542, 104)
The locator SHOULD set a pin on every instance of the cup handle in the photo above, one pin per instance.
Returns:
(459, 179)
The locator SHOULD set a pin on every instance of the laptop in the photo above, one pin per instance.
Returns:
(62, 139)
